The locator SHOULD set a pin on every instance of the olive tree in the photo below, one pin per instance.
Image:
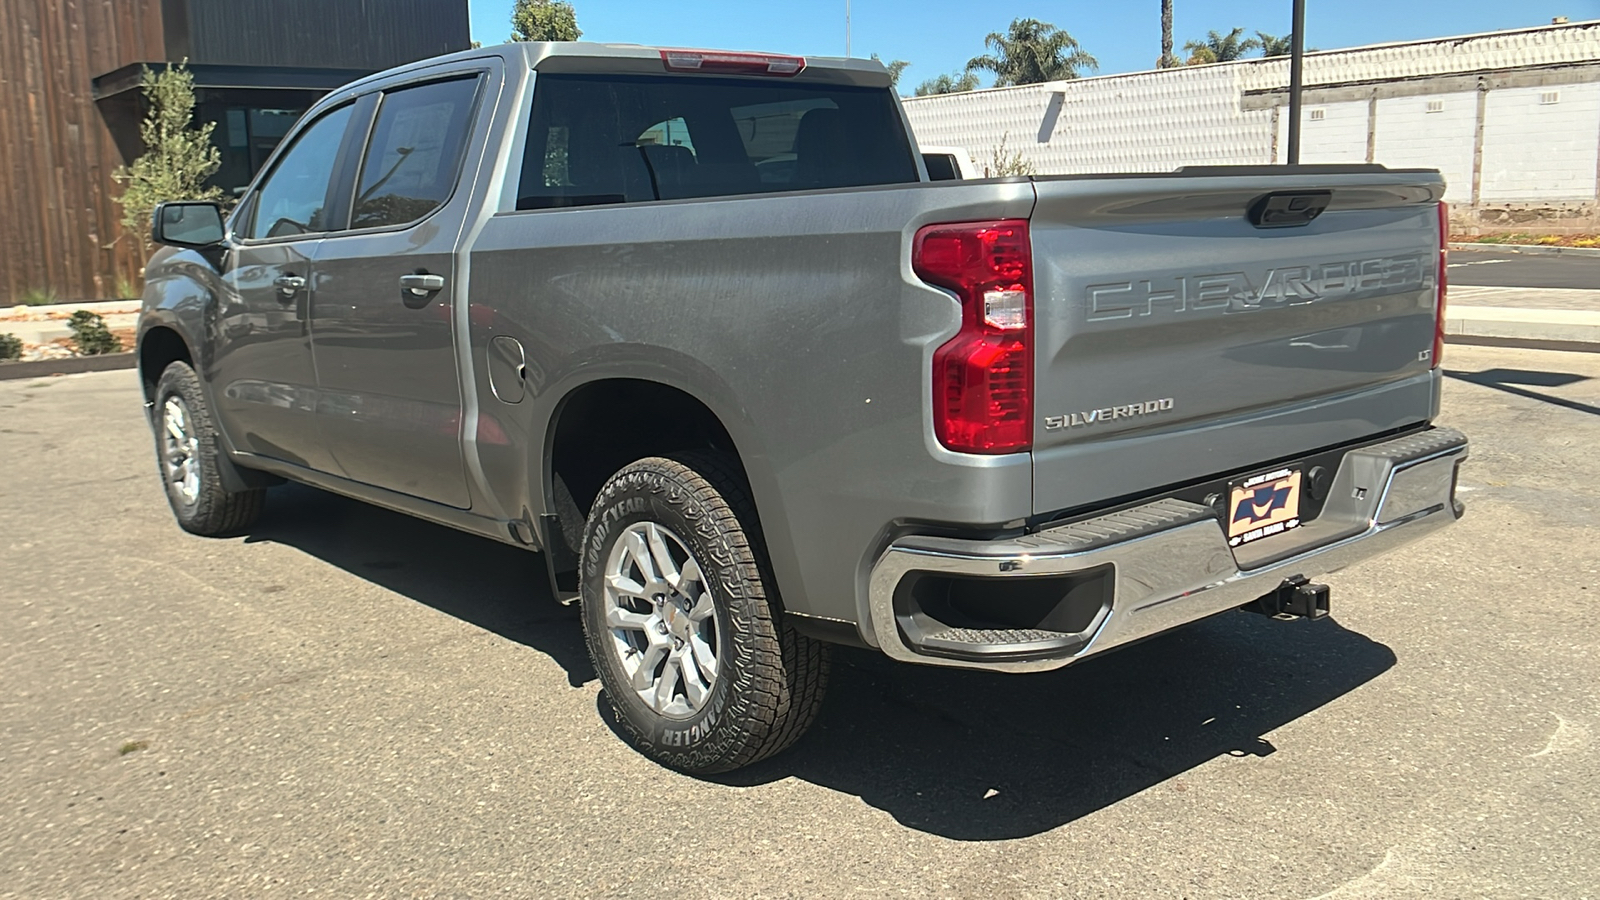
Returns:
(544, 20)
(178, 157)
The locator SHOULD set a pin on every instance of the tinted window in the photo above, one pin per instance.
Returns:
(941, 166)
(293, 200)
(414, 156)
(615, 139)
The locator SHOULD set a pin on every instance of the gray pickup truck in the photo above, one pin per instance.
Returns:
(699, 328)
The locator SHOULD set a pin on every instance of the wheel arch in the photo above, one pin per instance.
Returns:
(584, 446)
(160, 345)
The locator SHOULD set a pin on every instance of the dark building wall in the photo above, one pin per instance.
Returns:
(59, 224)
(57, 215)
(352, 34)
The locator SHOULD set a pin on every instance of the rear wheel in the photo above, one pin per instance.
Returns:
(186, 451)
(683, 620)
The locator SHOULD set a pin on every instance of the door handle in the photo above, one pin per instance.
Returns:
(421, 284)
(289, 285)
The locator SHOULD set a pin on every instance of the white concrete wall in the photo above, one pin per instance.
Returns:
(1340, 136)
(1410, 137)
(1148, 122)
(1533, 153)
(1537, 151)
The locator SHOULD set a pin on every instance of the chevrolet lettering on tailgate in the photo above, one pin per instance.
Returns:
(1233, 292)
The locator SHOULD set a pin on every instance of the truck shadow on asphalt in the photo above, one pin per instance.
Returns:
(497, 587)
(979, 757)
(965, 755)
(1517, 381)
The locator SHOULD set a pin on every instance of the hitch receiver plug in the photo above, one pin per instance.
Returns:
(1296, 598)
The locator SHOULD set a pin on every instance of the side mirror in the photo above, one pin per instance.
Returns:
(187, 224)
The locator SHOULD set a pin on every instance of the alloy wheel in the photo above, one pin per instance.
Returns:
(662, 620)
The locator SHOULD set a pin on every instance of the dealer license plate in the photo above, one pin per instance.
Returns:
(1263, 505)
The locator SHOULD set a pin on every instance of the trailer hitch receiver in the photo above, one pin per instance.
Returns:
(1296, 598)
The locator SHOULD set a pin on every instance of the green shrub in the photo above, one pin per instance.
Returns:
(10, 347)
(38, 297)
(90, 333)
(1007, 162)
(127, 288)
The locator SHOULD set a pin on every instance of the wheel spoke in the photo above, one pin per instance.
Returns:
(626, 586)
(690, 574)
(694, 688)
(649, 660)
(666, 687)
(666, 568)
(617, 617)
(173, 425)
(702, 608)
(641, 556)
(704, 658)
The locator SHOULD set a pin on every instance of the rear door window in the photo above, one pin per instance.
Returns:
(414, 156)
(622, 139)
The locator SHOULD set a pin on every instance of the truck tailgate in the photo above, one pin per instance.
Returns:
(1177, 340)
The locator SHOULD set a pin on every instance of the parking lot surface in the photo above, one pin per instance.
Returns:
(1508, 268)
(351, 703)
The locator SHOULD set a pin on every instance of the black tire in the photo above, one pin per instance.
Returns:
(213, 511)
(770, 679)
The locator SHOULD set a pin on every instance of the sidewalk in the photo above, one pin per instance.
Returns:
(39, 325)
(1560, 316)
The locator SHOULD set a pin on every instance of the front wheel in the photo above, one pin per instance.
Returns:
(186, 450)
(683, 620)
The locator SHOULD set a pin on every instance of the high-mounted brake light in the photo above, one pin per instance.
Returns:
(983, 377)
(1444, 259)
(712, 61)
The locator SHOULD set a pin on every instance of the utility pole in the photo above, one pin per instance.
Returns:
(846, 28)
(1297, 57)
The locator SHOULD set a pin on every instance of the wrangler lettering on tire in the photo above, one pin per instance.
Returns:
(683, 620)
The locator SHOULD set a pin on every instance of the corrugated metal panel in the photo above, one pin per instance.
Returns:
(1157, 121)
(347, 34)
(57, 218)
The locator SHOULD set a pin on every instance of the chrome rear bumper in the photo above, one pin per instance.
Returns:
(1170, 560)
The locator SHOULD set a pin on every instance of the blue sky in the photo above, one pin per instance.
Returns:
(941, 35)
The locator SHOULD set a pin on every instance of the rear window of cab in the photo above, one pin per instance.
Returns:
(598, 139)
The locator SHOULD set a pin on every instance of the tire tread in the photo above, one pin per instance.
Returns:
(217, 512)
(788, 672)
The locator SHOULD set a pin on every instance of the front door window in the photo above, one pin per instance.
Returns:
(294, 198)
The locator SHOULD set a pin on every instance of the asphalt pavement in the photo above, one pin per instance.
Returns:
(1505, 268)
(351, 703)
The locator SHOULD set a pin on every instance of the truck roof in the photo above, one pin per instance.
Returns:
(580, 56)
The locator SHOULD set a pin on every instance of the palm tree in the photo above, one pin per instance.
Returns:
(1220, 48)
(948, 84)
(1167, 60)
(1275, 46)
(1031, 52)
(895, 67)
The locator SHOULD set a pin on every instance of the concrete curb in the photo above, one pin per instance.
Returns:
(1459, 340)
(70, 365)
(1570, 328)
(1527, 249)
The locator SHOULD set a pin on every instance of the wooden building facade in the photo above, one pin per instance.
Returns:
(70, 106)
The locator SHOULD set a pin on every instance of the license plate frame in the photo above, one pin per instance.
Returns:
(1264, 505)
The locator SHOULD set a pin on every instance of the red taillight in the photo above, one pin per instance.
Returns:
(983, 377)
(712, 61)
